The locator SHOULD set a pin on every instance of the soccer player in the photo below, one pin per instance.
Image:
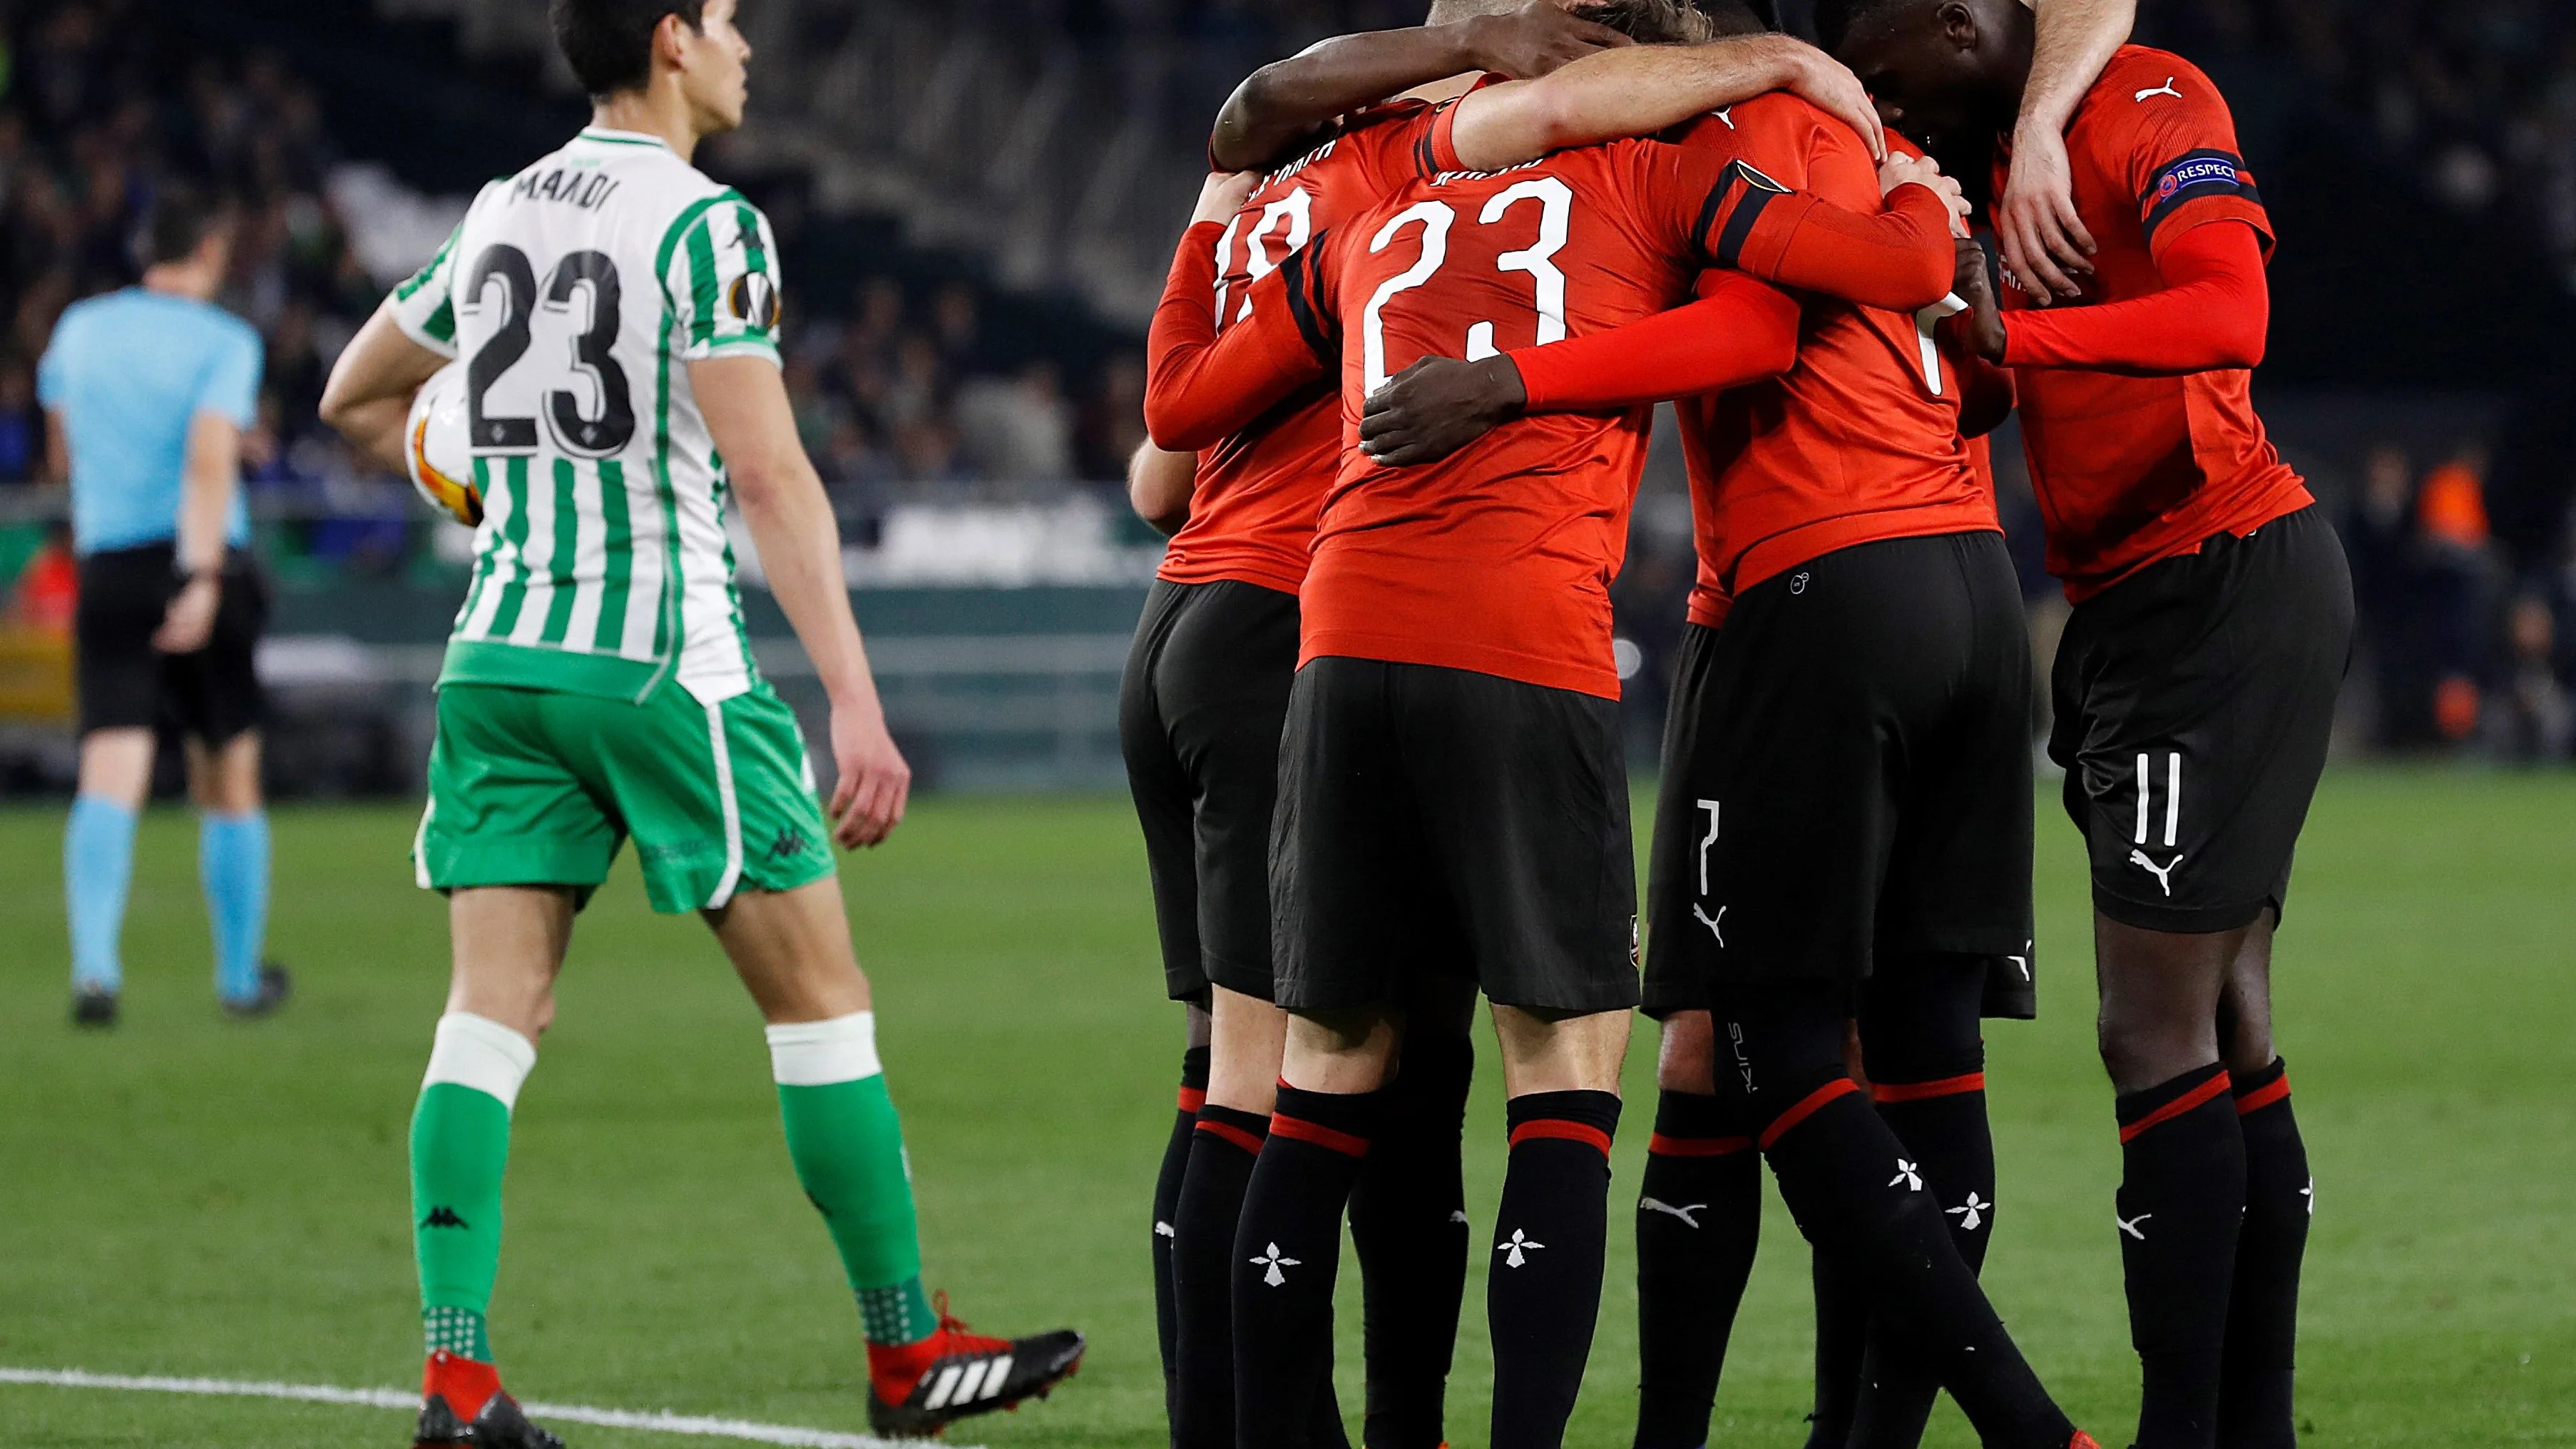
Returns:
(146, 393)
(1206, 691)
(1451, 791)
(2194, 687)
(618, 314)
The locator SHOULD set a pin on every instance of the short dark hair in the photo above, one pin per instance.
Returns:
(1740, 17)
(1651, 22)
(609, 43)
(181, 220)
(1836, 18)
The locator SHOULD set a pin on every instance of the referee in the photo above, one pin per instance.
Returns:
(146, 392)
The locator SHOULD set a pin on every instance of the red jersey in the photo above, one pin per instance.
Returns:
(1858, 442)
(1255, 496)
(1499, 558)
(2129, 469)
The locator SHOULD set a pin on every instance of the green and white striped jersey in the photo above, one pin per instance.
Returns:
(577, 291)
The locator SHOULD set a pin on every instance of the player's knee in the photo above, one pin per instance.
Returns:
(2140, 1049)
(1686, 1061)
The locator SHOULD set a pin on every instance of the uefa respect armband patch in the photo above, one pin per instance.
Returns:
(2191, 177)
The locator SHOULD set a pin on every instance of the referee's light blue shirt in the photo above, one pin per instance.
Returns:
(129, 372)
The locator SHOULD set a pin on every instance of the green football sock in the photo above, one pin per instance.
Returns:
(460, 1142)
(847, 1144)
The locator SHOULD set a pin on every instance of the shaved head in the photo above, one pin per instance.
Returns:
(1944, 72)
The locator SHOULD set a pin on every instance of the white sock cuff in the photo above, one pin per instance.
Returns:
(820, 1053)
(478, 1052)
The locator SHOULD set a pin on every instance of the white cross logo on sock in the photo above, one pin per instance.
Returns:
(1514, 1246)
(2310, 1193)
(1971, 1215)
(1907, 1174)
(1274, 1260)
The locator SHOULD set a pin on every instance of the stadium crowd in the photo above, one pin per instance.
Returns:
(906, 390)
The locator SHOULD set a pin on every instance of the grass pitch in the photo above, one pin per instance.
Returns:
(194, 1196)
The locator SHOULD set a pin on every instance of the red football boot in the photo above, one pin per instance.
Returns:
(917, 1389)
(462, 1406)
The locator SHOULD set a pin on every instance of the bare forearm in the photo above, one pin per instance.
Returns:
(375, 430)
(370, 389)
(213, 471)
(800, 551)
(2074, 40)
(1158, 486)
(1284, 101)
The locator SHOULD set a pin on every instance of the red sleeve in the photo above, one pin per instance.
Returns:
(2176, 148)
(2213, 313)
(1739, 331)
(1201, 389)
(1899, 259)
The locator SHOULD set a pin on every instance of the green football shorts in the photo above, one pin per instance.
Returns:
(537, 787)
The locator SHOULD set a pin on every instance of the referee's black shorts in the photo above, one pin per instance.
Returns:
(1847, 778)
(1199, 714)
(2195, 699)
(1443, 821)
(212, 695)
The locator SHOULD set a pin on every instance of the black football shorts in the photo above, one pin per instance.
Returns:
(2194, 703)
(1444, 821)
(1847, 777)
(1199, 713)
(212, 695)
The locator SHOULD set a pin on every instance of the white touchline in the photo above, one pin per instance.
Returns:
(657, 1422)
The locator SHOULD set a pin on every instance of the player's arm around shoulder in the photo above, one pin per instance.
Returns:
(743, 397)
(1645, 89)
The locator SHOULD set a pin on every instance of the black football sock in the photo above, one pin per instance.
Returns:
(1858, 1194)
(1543, 1287)
(1225, 1146)
(1699, 1219)
(1409, 1228)
(1943, 1125)
(1287, 1249)
(1167, 1208)
(1843, 1314)
(2181, 1204)
(2254, 1400)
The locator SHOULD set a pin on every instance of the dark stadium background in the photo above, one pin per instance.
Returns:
(976, 200)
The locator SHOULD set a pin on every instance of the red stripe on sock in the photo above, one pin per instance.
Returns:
(1557, 1127)
(1192, 1099)
(2175, 1108)
(1663, 1146)
(1231, 1133)
(1917, 1091)
(1283, 1125)
(2275, 1090)
(1807, 1107)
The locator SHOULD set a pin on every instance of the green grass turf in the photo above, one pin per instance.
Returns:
(196, 1196)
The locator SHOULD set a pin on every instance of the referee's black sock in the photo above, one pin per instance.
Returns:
(2254, 1398)
(1543, 1285)
(2181, 1205)
(1858, 1194)
(1167, 1209)
(1699, 1219)
(1409, 1227)
(1943, 1124)
(1287, 1249)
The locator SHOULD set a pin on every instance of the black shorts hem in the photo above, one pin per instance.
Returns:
(2181, 920)
(1243, 978)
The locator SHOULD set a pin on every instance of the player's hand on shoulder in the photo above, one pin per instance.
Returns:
(1437, 406)
(2044, 243)
(1982, 325)
(190, 620)
(874, 783)
(1825, 83)
(1900, 169)
(1535, 39)
(1222, 194)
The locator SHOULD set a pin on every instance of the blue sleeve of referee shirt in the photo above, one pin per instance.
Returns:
(231, 386)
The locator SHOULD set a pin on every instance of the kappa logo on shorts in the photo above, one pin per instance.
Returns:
(442, 1216)
(789, 844)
